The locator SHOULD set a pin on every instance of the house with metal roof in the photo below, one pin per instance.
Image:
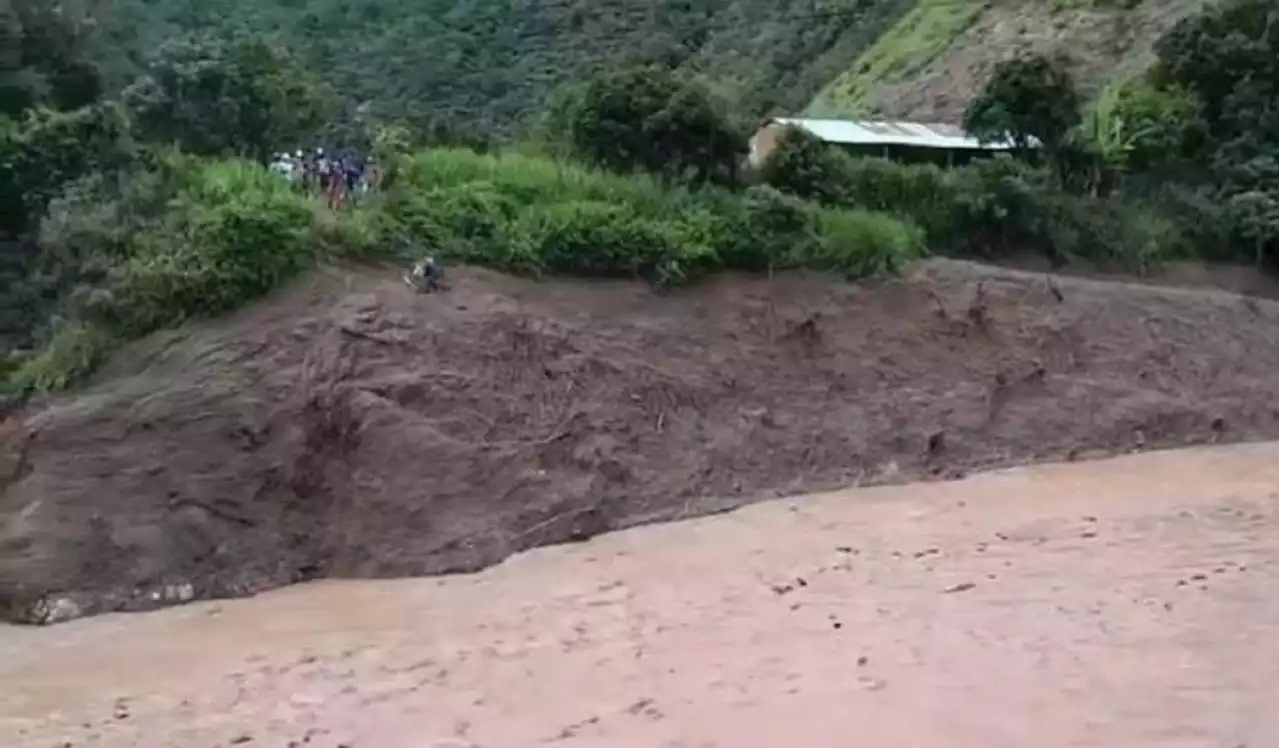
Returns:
(906, 141)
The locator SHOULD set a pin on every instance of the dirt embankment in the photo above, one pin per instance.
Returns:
(349, 428)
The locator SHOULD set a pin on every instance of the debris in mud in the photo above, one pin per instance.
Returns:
(962, 587)
(978, 309)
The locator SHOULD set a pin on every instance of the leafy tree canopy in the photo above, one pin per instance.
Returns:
(240, 95)
(1027, 99)
(650, 117)
(46, 56)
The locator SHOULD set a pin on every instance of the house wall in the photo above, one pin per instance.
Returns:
(763, 143)
(765, 140)
(908, 155)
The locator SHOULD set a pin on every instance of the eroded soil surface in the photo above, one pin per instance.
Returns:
(1126, 602)
(348, 428)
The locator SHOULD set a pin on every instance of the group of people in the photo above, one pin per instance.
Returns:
(344, 178)
(340, 178)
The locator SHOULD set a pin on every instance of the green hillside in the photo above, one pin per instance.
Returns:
(484, 64)
(133, 135)
(937, 55)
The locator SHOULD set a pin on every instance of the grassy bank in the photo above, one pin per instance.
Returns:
(210, 235)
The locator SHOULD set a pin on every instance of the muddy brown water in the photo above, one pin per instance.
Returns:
(1127, 602)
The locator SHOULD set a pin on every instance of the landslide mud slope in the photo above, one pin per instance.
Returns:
(348, 428)
(1118, 603)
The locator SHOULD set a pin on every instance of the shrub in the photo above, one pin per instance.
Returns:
(233, 232)
(534, 214)
(803, 165)
(860, 243)
(653, 118)
(74, 350)
(1028, 99)
(771, 229)
(590, 238)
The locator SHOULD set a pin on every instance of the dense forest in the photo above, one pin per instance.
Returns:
(485, 65)
(601, 139)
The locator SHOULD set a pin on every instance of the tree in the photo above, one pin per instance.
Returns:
(241, 96)
(1227, 56)
(45, 150)
(45, 56)
(653, 118)
(1027, 99)
(804, 165)
(1256, 215)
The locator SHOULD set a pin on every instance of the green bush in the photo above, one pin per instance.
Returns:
(590, 238)
(199, 237)
(233, 232)
(74, 350)
(858, 243)
(653, 118)
(535, 214)
(808, 167)
(769, 230)
(991, 209)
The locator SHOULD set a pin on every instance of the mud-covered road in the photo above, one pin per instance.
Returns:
(1130, 602)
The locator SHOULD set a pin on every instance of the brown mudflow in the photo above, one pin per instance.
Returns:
(348, 428)
(1120, 603)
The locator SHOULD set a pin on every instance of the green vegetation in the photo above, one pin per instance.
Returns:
(921, 35)
(134, 205)
(988, 209)
(652, 118)
(1179, 163)
(536, 215)
(1030, 99)
(141, 214)
(228, 231)
(482, 66)
(215, 96)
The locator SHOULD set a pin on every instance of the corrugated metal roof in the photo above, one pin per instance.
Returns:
(914, 134)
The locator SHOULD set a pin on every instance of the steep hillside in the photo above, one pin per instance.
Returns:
(927, 65)
(485, 64)
(347, 427)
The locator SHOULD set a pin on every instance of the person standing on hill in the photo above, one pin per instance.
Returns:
(282, 166)
(323, 171)
(336, 183)
(353, 171)
(372, 176)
